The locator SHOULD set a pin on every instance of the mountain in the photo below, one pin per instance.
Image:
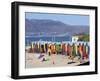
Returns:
(52, 27)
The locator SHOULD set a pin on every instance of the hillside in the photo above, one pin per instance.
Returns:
(52, 27)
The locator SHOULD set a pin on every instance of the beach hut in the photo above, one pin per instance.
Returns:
(74, 52)
(87, 49)
(42, 48)
(32, 47)
(49, 49)
(46, 47)
(58, 48)
(64, 49)
(53, 49)
(68, 49)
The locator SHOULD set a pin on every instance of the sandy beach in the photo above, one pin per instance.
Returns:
(33, 61)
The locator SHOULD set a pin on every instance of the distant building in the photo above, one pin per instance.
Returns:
(75, 38)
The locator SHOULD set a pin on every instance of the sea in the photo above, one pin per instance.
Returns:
(30, 39)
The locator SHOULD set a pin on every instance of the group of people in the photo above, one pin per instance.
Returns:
(72, 50)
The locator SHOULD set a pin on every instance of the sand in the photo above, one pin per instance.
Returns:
(32, 61)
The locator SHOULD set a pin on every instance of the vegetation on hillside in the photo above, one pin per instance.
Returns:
(84, 37)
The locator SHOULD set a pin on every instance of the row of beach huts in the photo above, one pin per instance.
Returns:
(80, 49)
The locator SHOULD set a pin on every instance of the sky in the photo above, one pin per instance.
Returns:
(70, 19)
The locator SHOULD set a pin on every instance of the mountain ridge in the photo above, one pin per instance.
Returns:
(52, 27)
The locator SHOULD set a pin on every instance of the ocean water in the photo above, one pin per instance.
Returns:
(28, 40)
